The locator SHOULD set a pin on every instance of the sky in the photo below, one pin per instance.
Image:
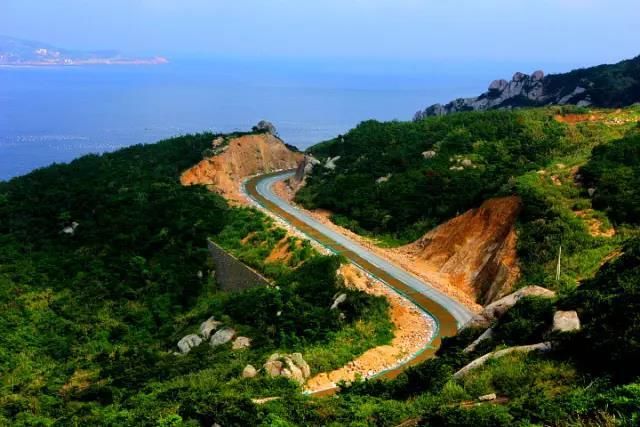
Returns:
(545, 32)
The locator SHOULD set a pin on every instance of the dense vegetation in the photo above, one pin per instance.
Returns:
(104, 267)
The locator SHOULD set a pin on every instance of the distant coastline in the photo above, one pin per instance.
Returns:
(25, 53)
(71, 63)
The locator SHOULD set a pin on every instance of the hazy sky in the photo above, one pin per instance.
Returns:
(530, 31)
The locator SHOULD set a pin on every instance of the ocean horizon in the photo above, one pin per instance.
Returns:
(55, 114)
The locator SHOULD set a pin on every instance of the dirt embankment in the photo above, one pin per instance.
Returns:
(476, 250)
(413, 330)
(239, 158)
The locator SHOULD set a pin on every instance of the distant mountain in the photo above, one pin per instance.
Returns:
(611, 86)
(16, 52)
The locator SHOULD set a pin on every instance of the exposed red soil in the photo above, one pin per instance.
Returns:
(243, 157)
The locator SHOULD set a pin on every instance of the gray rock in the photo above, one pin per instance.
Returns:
(331, 162)
(565, 321)
(383, 179)
(485, 336)
(222, 337)
(188, 342)
(537, 75)
(338, 300)
(591, 192)
(496, 309)
(430, 154)
(70, 230)
(249, 372)
(265, 126)
(208, 326)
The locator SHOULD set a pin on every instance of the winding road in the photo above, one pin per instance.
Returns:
(448, 314)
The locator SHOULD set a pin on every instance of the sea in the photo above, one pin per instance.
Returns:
(56, 114)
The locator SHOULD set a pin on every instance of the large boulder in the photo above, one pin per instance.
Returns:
(496, 309)
(291, 366)
(222, 337)
(565, 321)
(208, 326)
(188, 342)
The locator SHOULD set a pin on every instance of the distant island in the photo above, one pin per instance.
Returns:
(19, 53)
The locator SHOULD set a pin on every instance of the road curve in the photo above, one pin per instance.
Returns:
(449, 314)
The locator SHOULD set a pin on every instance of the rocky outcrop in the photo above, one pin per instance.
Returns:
(498, 308)
(291, 366)
(608, 86)
(521, 90)
(565, 321)
(477, 250)
(235, 159)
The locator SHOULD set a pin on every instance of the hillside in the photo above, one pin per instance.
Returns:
(16, 52)
(396, 181)
(111, 313)
(107, 294)
(605, 86)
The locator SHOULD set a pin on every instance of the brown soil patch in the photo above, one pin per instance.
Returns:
(413, 331)
(595, 226)
(281, 252)
(243, 157)
(577, 118)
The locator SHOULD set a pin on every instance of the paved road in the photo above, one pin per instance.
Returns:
(263, 186)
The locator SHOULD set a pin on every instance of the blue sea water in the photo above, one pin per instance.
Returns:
(56, 114)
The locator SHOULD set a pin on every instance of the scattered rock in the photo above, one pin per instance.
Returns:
(339, 300)
(241, 343)
(291, 366)
(383, 179)
(565, 321)
(221, 337)
(487, 397)
(430, 154)
(209, 326)
(70, 230)
(467, 163)
(249, 372)
(591, 192)
(188, 342)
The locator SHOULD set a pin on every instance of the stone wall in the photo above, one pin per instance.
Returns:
(231, 274)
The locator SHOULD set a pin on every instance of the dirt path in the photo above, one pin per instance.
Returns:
(413, 331)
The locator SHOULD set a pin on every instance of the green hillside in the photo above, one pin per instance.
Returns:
(439, 167)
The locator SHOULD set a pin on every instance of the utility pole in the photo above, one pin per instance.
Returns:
(558, 266)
